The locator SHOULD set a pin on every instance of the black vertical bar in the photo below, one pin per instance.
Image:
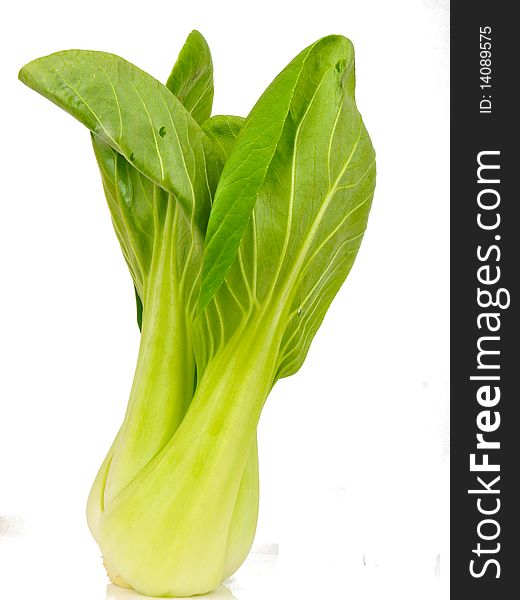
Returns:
(474, 131)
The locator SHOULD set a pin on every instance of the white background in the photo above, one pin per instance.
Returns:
(353, 449)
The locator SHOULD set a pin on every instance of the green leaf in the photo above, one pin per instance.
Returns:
(133, 196)
(191, 79)
(300, 222)
(223, 130)
(133, 200)
(137, 116)
(130, 195)
(267, 129)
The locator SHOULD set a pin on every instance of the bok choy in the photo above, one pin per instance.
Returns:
(238, 233)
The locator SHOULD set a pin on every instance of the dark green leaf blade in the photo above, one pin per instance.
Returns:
(223, 131)
(247, 167)
(137, 116)
(191, 79)
(308, 220)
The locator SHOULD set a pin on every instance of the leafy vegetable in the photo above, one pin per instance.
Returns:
(237, 234)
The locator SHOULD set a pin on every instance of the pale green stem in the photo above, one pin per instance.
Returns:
(163, 383)
(167, 532)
